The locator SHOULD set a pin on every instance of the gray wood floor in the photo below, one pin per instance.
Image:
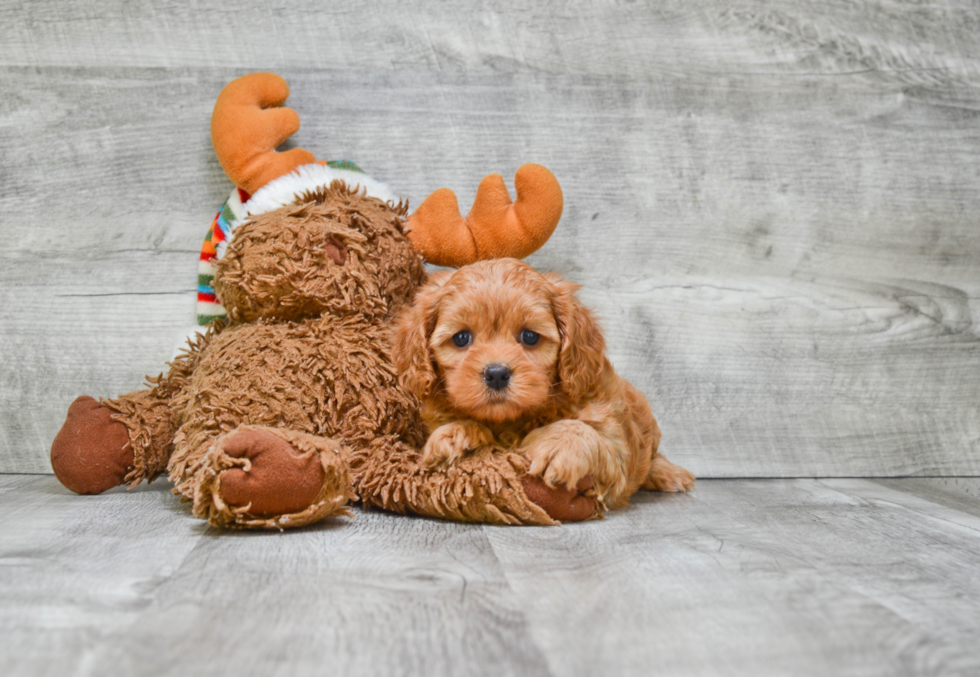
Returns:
(741, 577)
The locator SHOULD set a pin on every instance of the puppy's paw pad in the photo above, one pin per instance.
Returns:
(449, 442)
(562, 453)
(440, 450)
(665, 476)
(565, 468)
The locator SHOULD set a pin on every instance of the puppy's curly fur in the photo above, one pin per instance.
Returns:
(501, 354)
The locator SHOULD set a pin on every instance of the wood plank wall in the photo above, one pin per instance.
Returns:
(773, 206)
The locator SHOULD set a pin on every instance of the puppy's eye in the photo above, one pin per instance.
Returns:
(462, 339)
(529, 338)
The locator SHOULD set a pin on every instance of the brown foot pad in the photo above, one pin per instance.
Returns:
(280, 480)
(91, 453)
(560, 503)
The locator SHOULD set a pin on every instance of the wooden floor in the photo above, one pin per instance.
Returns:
(742, 577)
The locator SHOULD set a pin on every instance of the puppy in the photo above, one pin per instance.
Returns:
(501, 354)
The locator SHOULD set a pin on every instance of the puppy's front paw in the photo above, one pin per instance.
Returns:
(449, 442)
(565, 452)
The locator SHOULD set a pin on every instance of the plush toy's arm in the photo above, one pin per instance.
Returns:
(495, 227)
(125, 440)
(247, 126)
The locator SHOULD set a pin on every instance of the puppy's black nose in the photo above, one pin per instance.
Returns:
(497, 376)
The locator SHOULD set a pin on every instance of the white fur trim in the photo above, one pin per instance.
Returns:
(235, 204)
(282, 191)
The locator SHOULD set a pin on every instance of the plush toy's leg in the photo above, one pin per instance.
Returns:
(255, 476)
(486, 485)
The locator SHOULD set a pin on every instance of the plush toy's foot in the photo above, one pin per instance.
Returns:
(560, 503)
(91, 453)
(268, 477)
(278, 480)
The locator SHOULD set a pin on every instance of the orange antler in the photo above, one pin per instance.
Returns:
(247, 126)
(495, 226)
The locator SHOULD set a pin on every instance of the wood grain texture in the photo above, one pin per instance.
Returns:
(772, 207)
(760, 577)
(740, 577)
(377, 595)
(610, 37)
(958, 493)
(75, 572)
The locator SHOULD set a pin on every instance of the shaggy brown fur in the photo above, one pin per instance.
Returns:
(562, 404)
(293, 408)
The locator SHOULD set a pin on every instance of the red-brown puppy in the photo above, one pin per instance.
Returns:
(499, 353)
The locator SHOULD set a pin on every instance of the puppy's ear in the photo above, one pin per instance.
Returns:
(581, 355)
(410, 347)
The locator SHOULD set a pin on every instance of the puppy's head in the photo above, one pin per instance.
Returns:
(497, 341)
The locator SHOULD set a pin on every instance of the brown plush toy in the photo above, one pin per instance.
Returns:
(290, 408)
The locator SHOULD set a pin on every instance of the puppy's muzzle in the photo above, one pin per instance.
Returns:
(496, 376)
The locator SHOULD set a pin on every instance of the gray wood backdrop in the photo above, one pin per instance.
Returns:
(772, 205)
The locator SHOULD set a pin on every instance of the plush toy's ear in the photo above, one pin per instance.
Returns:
(247, 126)
(581, 355)
(495, 227)
(413, 329)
